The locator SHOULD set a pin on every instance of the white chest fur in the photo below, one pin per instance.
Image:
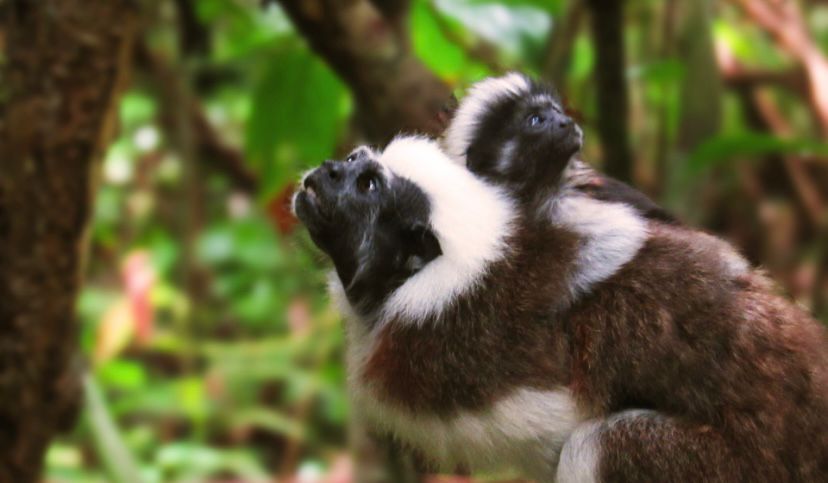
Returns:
(523, 431)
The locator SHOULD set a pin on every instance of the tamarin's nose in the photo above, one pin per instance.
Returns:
(334, 170)
(559, 119)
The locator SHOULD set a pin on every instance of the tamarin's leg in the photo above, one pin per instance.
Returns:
(646, 446)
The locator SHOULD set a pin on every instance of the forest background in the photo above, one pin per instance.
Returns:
(162, 316)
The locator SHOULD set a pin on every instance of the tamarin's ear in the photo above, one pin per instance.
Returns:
(421, 247)
(446, 112)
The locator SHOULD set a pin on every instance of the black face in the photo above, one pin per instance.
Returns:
(525, 141)
(374, 226)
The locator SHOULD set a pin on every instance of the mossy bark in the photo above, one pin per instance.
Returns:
(63, 65)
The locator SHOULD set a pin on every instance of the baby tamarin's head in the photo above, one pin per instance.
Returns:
(512, 130)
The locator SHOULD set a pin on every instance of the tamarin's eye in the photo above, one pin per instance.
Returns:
(366, 183)
(351, 158)
(535, 120)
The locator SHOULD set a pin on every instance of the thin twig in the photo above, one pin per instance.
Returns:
(784, 21)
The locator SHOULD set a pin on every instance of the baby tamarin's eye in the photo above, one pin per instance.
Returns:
(535, 120)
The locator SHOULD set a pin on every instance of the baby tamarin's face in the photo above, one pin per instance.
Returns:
(511, 130)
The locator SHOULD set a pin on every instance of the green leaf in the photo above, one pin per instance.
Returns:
(749, 144)
(196, 462)
(164, 248)
(250, 242)
(122, 374)
(664, 71)
(137, 108)
(192, 397)
(518, 29)
(295, 118)
(583, 58)
(261, 302)
(552, 6)
(93, 302)
(241, 30)
(445, 58)
(748, 43)
(117, 458)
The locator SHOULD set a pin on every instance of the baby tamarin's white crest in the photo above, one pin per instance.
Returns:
(475, 106)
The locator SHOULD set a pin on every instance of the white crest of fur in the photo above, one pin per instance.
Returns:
(470, 218)
(481, 95)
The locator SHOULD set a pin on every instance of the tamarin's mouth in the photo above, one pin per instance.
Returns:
(310, 189)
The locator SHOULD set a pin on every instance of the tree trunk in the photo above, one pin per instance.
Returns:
(701, 107)
(65, 62)
(607, 20)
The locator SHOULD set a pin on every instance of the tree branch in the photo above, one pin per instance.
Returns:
(784, 21)
(765, 114)
(193, 37)
(394, 91)
(207, 142)
(806, 191)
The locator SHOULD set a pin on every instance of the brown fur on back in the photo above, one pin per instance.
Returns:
(670, 332)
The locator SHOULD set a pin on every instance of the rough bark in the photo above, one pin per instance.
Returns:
(607, 21)
(393, 90)
(65, 63)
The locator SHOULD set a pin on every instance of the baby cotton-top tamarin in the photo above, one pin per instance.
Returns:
(513, 131)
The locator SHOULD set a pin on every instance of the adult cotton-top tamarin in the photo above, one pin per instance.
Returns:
(588, 344)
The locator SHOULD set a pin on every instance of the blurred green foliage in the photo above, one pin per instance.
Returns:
(218, 355)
